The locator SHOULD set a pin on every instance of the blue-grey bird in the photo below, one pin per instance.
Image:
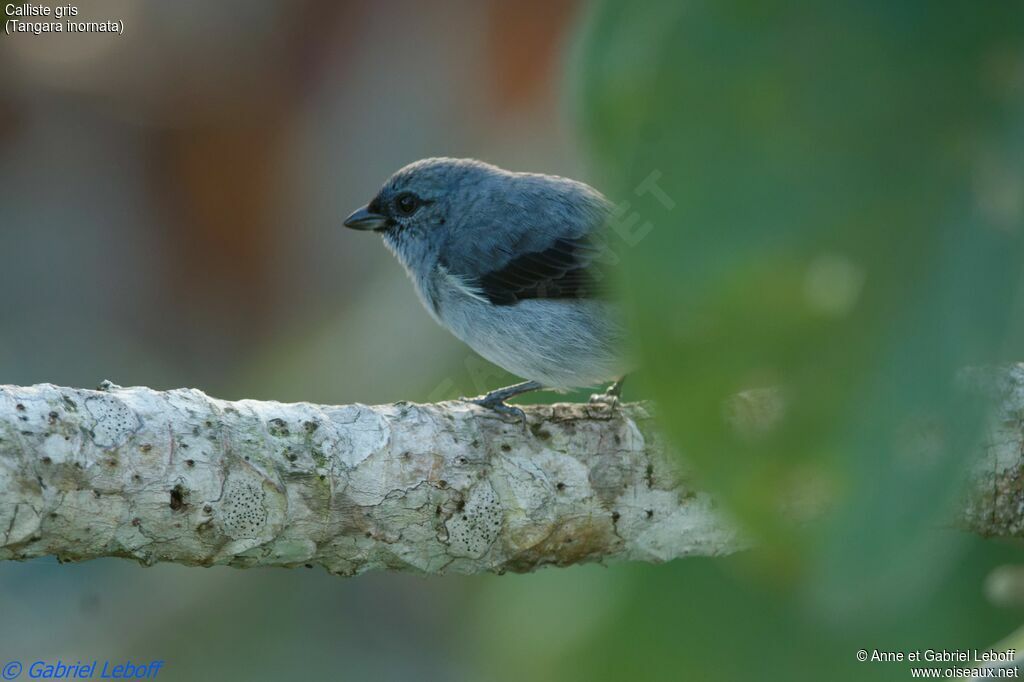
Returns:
(510, 263)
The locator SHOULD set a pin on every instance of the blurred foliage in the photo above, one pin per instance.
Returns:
(827, 198)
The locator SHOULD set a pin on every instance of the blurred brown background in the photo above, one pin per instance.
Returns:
(182, 186)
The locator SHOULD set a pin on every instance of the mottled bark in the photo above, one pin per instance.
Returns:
(995, 502)
(179, 476)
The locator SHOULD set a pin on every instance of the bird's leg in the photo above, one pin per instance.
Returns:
(495, 400)
(611, 394)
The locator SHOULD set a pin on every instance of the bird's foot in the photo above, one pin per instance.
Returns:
(499, 406)
(604, 399)
(495, 400)
(610, 396)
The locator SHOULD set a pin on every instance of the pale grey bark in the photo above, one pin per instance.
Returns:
(450, 487)
(995, 500)
(179, 476)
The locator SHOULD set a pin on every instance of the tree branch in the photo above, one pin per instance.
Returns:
(449, 487)
(179, 476)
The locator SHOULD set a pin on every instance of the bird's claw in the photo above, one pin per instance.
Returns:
(499, 406)
(495, 400)
(609, 397)
(605, 398)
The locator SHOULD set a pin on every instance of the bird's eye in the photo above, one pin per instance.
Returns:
(407, 203)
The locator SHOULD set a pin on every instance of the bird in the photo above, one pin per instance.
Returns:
(513, 264)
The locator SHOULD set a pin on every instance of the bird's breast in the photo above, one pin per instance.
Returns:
(558, 343)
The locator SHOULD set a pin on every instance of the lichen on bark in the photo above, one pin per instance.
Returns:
(179, 476)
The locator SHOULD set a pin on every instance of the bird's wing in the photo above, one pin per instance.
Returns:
(567, 267)
(541, 237)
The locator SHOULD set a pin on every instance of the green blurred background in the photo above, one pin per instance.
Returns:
(822, 197)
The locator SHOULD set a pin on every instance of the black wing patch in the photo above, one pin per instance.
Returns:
(566, 269)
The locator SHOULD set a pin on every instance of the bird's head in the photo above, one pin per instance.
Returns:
(475, 216)
(415, 208)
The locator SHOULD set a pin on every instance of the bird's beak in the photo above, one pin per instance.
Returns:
(365, 219)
